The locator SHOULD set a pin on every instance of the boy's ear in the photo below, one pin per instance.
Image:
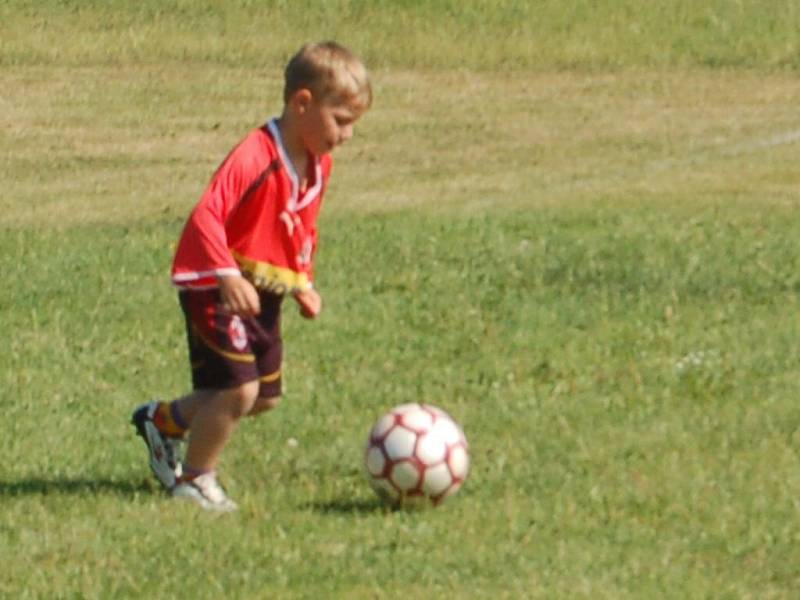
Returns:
(301, 100)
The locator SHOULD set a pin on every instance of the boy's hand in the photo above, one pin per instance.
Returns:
(239, 297)
(310, 302)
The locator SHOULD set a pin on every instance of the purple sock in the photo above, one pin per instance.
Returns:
(177, 416)
(190, 472)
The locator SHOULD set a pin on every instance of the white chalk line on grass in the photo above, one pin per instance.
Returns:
(629, 173)
(779, 139)
(633, 172)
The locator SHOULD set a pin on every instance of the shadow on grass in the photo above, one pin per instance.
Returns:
(348, 507)
(47, 487)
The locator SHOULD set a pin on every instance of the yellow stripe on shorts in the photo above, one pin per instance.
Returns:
(244, 357)
(271, 377)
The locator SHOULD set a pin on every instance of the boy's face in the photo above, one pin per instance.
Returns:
(328, 123)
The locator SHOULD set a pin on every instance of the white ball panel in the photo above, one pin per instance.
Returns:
(400, 443)
(418, 420)
(436, 480)
(405, 475)
(375, 461)
(431, 448)
(447, 430)
(458, 462)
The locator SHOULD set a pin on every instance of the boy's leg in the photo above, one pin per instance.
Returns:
(229, 378)
(214, 421)
(164, 452)
(215, 417)
(224, 376)
(162, 426)
(189, 404)
(263, 404)
(221, 359)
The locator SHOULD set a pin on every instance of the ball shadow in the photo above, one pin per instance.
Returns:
(349, 506)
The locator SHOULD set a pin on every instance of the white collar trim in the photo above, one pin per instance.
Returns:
(295, 202)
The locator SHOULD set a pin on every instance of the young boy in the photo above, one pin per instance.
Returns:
(249, 242)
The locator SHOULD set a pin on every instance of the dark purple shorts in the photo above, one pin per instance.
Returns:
(226, 350)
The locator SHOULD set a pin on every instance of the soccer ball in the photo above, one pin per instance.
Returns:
(416, 454)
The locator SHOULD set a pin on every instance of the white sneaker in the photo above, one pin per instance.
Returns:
(206, 491)
(165, 452)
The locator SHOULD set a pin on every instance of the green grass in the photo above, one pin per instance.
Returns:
(482, 34)
(580, 239)
(602, 466)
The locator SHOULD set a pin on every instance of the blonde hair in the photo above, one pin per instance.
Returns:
(329, 71)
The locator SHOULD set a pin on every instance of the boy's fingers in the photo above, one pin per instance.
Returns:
(310, 304)
(239, 300)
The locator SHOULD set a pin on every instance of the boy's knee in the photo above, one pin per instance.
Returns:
(263, 404)
(241, 399)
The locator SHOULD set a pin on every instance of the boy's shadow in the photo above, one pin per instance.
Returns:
(36, 486)
(347, 506)
(44, 487)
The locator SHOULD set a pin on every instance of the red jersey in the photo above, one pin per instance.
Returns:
(254, 220)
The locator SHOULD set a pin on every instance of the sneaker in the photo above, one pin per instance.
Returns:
(165, 459)
(206, 491)
(174, 447)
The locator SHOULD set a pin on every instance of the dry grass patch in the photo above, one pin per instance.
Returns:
(103, 144)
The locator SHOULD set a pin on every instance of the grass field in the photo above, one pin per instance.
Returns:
(577, 233)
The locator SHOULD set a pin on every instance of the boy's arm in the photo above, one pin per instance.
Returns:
(203, 256)
(238, 295)
(204, 243)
